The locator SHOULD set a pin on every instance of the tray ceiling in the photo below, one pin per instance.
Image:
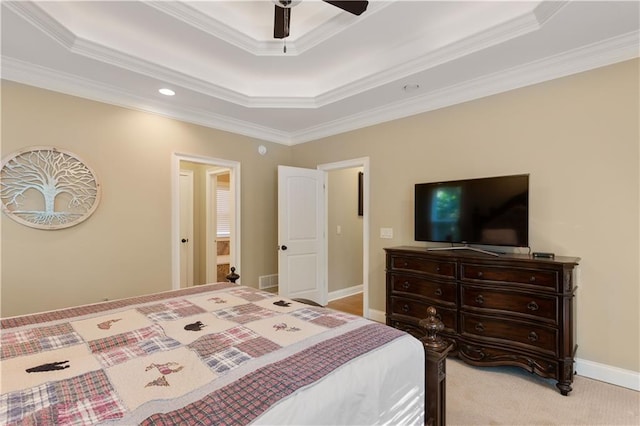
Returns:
(340, 72)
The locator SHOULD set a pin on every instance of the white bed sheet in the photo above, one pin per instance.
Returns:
(383, 387)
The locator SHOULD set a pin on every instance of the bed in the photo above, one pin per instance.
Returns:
(216, 354)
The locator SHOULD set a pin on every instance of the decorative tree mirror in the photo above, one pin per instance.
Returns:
(47, 188)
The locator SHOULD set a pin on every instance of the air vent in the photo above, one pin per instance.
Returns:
(267, 281)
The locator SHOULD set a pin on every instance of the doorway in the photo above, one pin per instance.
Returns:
(344, 227)
(307, 184)
(218, 214)
(215, 181)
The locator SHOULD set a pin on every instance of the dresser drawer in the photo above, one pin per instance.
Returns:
(410, 285)
(478, 354)
(534, 306)
(407, 263)
(511, 275)
(538, 337)
(418, 310)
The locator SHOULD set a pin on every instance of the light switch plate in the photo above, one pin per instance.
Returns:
(386, 233)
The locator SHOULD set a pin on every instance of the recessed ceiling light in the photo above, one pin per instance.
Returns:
(167, 92)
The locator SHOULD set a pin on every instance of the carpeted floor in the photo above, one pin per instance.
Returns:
(512, 396)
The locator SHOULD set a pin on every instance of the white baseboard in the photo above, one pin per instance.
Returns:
(378, 316)
(344, 292)
(592, 370)
(606, 373)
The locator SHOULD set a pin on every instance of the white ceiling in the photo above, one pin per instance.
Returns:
(340, 72)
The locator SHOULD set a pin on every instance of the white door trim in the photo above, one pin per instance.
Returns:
(211, 267)
(189, 225)
(234, 183)
(347, 164)
(211, 241)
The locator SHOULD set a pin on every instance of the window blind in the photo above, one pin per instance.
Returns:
(223, 211)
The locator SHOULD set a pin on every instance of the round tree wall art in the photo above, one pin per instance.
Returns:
(47, 188)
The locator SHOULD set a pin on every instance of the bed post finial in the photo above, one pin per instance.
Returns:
(436, 350)
(233, 277)
(432, 326)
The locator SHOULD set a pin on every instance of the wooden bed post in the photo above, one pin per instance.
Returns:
(233, 277)
(436, 349)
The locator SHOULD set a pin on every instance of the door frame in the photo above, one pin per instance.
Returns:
(211, 187)
(234, 185)
(348, 164)
(189, 266)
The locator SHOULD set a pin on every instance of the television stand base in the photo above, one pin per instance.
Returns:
(464, 248)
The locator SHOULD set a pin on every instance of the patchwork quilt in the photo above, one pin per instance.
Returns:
(218, 354)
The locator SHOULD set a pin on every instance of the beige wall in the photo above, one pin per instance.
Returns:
(345, 249)
(576, 136)
(124, 248)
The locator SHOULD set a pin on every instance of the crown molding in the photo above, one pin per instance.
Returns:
(547, 9)
(45, 78)
(219, 29)
(496, 35)
(471, 44)
(516, 27)
(611, 51)
(32, 13)
(599, 54)
(209, 25)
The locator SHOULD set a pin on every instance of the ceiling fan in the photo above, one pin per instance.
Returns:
(282, 16)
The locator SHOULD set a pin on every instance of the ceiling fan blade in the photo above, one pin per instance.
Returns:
(282, 17)
(355, 7)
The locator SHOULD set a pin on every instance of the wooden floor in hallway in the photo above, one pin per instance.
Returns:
(350, 304)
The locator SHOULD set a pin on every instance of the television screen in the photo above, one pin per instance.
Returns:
(485, 211)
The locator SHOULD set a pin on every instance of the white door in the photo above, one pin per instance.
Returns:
(301, 262)
(186, 228)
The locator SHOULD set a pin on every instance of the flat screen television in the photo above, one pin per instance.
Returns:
(486, 211)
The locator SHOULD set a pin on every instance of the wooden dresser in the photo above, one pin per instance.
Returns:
(506, 310)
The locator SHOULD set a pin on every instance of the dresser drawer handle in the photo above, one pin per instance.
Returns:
(479, 327)
(533, 278)
(437, 269)
(479, 299)
(533, 337)
(438, 292)
(533, 306)
(406, 285)
(405, 308)
(480, 274)
(406, 264)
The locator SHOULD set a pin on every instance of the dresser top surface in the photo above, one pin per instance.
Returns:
(469, 254)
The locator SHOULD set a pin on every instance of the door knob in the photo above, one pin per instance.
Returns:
(283, 247)
(184, 240)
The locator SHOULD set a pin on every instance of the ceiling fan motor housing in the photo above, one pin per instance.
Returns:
(282, 15)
